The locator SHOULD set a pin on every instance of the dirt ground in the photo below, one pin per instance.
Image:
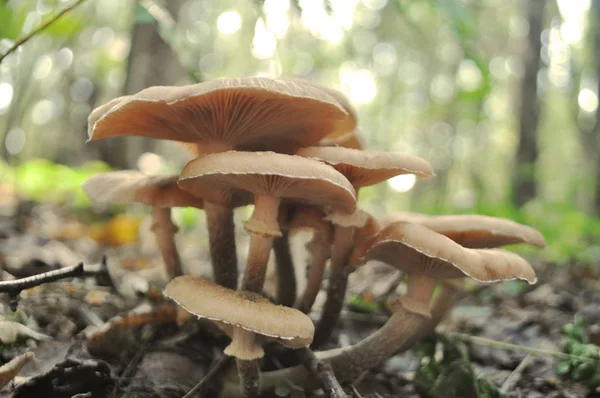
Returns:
(113, 335)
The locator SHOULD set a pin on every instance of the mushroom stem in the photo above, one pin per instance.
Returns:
(400, 333)
(322, 371)
(249, 374)
(243, 345)
(319, 255)
(419, 291)
(263, 228)
(221, 235)
(343, 238)
(165, 231)
(286, 277)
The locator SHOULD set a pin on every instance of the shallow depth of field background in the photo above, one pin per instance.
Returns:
(500, 96)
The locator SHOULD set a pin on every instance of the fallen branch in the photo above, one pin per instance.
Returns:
(216, 368)
(15, 287)
(321, 371)
(24, 39)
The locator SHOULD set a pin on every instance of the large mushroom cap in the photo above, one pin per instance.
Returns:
(475, 231)
(129, 186)
(364, 168)
(246, 310)
(217, 177)
(250, 113)
(349, 140)
(416, 249)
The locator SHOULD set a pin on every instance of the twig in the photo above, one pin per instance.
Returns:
(40, 28)
(322, 371)
(216, 368)
(166, 30)
(516, 348)
(510, 380)
(355, 391)
(15, 287)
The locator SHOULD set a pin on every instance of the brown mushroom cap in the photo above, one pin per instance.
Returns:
(311, 218)
(246, 310)
(364, 168)
(348, 140)
(250, 113)
(475, 231)
(130, 186)
(416, 249)
(219, 177)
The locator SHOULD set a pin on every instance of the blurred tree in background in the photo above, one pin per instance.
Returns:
(501, 96)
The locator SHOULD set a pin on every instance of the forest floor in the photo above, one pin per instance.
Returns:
(115, 336)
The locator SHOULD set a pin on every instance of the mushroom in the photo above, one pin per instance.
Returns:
(426, 256)
(311, 218)
(348, 140)
(474, 231)
(471, 231)
(249, 113)
(286, 276)
(159, 192)
(269, 177)
(361, 168)
(248, 318)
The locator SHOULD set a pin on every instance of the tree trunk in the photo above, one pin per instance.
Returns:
(524, 183)
(151, 62)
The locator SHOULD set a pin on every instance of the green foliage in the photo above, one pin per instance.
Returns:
(44, 181)
(452, 376)
(285, 388)
(577, 368)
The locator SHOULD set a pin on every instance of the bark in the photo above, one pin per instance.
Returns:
(524, 183)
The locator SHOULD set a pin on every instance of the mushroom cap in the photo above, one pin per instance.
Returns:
(415, 248)
(226, 176)
(247, 310)
(130, 186)
(364, 168)
(249, 113)
(348, 140)
(311, 218)
(475, 231)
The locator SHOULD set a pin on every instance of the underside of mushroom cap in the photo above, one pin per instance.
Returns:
(364, 168)
(130, 186)
(475, 231)
(415, 248)
(349, 140)
(290, 177)
(249, 311)
(250, 113)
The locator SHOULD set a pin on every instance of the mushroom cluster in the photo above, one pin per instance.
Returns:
(289, 148)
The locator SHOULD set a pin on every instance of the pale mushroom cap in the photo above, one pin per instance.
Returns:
(348, 140)
(249, 113)
(311, 218)
(364, 168)
(415, 248)
(475, 231)
(130, 186)
(220, 176)
(249, 311)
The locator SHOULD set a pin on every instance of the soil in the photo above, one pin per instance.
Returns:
(115, 336)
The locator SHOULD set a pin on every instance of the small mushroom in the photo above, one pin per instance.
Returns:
(269, 177)
(248, 318)
(159, 192)
(311, 218)
(426, 257)
(361, 168)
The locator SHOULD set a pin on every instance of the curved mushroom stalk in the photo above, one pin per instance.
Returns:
(320, 252)
(221, 235)
(286, 277)
(343, 239)
(165, 230)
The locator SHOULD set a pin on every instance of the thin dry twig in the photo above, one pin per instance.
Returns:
(39, 29)
(510, 380)
(14, 287)
(214, 370)
(322, 371)
(516, 348)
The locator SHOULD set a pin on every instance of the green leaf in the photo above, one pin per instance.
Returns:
(142, 16)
